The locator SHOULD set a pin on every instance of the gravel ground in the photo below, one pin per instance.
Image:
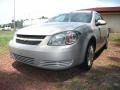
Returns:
(104, 75)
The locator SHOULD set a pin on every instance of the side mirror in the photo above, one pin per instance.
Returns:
(100, 22)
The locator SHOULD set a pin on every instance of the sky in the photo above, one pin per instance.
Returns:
(30, 9)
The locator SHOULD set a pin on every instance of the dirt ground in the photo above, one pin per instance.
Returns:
(104, 75)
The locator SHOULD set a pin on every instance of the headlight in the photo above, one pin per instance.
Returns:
(64, 38)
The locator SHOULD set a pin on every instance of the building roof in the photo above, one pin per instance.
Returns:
(105, 9)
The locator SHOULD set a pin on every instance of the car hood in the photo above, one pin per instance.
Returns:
(49, 28)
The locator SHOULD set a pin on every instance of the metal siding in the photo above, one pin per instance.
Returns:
(113, 21)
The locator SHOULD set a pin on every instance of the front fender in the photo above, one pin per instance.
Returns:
(85, 38)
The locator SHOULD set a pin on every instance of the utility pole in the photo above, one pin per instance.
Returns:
(14, 17)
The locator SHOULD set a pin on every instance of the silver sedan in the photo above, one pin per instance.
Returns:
(62, 42)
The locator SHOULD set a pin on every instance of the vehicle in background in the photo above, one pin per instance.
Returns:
(6, 28)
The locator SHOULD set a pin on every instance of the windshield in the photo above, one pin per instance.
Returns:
(73, 17)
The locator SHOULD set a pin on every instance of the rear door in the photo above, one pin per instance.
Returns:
(104, 30)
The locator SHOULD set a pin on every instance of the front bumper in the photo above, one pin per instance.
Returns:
(47, 57)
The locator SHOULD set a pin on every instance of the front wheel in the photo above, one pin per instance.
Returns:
(89, 57)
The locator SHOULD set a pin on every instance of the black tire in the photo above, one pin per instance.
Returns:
(89, 57)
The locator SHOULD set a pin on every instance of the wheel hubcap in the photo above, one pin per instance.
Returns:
(90, 55)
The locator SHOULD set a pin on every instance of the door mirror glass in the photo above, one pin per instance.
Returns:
(100, 22)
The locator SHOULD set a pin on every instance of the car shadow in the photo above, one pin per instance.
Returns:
(48, 75)
(26, 77)
(98, 53)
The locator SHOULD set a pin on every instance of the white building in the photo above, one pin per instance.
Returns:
(111, 15)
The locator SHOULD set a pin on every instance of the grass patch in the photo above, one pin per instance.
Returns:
(5, 37)
(115, 37)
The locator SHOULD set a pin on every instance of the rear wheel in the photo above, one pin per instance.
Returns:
(89, 57)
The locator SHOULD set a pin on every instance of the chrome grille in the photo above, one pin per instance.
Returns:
(23, 59)
(27, 42)
(31, 36)
(29, 39)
